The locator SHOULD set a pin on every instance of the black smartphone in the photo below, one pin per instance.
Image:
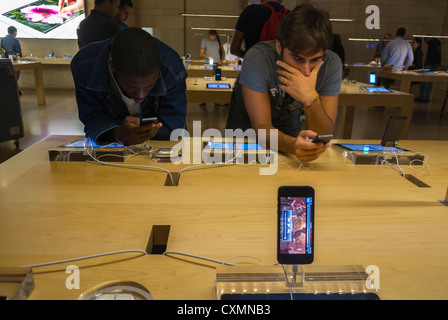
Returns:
(393, 130)
(218, 74)
(144, 121)
(323, 138)
(295, 225)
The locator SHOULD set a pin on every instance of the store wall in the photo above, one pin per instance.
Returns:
(418, 17)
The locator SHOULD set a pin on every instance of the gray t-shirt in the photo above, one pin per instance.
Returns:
(259, 73)
(211, 49)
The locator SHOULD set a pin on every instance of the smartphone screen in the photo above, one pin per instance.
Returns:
(295, 241)
(372, 78)
(218, 86)
(91, 144)
(233, 145)
(377, 90)
(370, 147)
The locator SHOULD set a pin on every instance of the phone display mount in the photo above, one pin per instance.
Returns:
(278, 280)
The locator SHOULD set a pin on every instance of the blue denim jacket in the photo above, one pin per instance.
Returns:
(100, 105)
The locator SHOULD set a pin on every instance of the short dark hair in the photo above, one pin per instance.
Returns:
(401, 32)
(305, 29)
(418, 40)
(11, 30)
(99, 2)
(136, 52)
(126, 3)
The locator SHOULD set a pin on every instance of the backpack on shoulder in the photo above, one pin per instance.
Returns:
(270, 27)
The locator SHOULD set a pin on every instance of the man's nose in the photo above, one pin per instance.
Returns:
(306, 69)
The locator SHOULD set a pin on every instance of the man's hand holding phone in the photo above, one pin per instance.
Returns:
(132, 131)
(305, 149)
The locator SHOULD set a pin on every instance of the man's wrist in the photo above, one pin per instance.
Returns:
(117, 135)
(107, 137)
(310, 104)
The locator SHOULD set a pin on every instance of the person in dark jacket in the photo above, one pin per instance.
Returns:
(432, 62)
(100, 24)
(416, 44)
(116, 87)
(250, 24)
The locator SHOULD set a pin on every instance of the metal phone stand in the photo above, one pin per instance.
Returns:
(291, 279)
(387, 153)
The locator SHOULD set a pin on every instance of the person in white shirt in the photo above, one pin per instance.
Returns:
(397, 54)
(227, 54)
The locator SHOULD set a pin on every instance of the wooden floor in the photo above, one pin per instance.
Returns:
(59, 117)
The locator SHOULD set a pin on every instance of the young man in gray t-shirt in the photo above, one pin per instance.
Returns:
(211, 47)
(281, 77)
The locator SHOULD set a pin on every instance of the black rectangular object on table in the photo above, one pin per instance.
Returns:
(11, 123)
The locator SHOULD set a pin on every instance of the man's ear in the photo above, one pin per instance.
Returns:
(278, 47)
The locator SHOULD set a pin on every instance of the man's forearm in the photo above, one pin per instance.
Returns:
(285, 143)
(318, 119)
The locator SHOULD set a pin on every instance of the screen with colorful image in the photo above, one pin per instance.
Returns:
(296, 225)
(48, 19)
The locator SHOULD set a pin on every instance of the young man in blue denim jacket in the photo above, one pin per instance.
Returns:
(123, 79)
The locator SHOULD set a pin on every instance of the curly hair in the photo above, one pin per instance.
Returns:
(136, 52)
(306, 30)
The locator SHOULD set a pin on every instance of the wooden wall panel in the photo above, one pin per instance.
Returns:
(419, 17)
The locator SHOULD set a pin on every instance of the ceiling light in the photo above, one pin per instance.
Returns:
(208, 15)
(213, 28)
(363, 39)
(428, 36)
(342, 20)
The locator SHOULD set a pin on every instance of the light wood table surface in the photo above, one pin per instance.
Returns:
(407, 77)
(352, 95)
(362, 67)
(198, 92)
(50, 61)
(201, 71)
(365, 215)
(38, 77)
(200, 62)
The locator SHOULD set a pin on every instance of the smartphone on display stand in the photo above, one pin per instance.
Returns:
(295, 225)
(372, 78)
(217, 72)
